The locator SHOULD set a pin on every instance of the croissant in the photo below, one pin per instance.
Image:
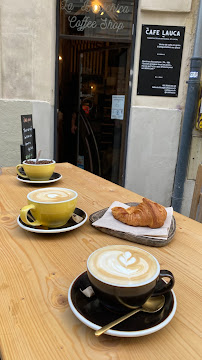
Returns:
(148, 213)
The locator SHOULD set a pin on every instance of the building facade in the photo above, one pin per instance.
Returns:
(31, 41)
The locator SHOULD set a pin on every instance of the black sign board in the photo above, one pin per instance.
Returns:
(160, 60)
(28, 149)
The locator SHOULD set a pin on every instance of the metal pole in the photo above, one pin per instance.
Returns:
(189, 117)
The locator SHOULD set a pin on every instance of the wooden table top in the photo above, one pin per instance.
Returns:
(37, 270)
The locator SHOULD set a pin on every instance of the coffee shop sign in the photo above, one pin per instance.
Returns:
(111, 9)
(162, 32)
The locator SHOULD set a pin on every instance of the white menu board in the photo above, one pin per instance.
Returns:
(117, 111)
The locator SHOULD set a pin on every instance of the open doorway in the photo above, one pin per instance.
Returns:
(93, 91)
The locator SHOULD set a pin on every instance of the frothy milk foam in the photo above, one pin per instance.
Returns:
(122, 265)
(52, 195)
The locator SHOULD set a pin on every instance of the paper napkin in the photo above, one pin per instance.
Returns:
(109, 222)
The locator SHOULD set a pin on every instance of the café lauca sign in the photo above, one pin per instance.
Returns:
(95, 17)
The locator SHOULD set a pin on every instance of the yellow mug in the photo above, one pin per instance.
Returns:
(51, 207)
(37, 172)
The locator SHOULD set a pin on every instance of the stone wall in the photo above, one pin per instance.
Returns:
(27, 74)
(155, 122)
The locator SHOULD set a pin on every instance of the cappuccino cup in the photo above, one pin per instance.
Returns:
(51, 207)
(125, 276)
(37, 171)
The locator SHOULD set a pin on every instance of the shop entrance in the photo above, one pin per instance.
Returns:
(93, 89)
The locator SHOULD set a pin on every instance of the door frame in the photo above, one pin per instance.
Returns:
(123, 155)
(125, 130)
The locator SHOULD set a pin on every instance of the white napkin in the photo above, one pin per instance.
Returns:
(109, 222)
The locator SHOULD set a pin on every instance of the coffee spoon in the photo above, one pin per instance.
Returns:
(38, 155)
(152, 305)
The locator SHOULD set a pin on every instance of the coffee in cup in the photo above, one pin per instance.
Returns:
(51, 207)
(52, 195)
(124, 275)
(40, 170)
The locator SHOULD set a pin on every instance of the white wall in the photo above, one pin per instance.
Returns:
(11, 131)
(155, 122)
(27, 71)
(152, 152)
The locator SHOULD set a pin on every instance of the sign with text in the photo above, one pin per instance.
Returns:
(27, 136)
(106, 19)
(117, 111)
(160, 60)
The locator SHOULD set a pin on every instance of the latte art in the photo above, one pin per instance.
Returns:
(122, 265)
(52, 195)
(127, 258)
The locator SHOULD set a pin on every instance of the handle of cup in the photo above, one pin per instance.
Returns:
(23, 176)
(163, 287)
(23, 215)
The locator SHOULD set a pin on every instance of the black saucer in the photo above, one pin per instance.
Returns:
(54, 177)
(92, 313)
(71, 224)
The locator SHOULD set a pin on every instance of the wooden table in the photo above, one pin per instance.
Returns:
(37, 270)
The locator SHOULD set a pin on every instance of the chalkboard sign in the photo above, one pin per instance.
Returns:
(28, 149)
(160, 60)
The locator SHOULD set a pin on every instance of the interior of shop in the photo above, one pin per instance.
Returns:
(90, 72)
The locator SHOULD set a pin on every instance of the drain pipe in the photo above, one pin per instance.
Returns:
(189, 117)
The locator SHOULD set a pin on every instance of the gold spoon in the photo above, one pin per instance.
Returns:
(153, 304)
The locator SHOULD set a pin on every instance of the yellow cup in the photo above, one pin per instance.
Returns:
(52, 214)
(37, 172)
